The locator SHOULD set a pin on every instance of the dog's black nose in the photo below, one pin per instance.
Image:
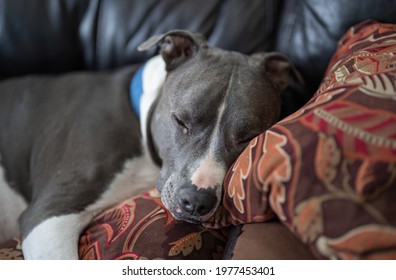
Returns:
(197, 202)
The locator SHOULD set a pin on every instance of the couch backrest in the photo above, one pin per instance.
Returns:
(52, 36)
(39, 36)
(309, 30)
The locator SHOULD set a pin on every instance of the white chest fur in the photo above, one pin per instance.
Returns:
(138, 175)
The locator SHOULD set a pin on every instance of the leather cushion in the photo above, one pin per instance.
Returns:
(46, 36)
(309, 30)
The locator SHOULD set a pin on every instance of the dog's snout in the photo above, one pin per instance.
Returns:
(196, 202)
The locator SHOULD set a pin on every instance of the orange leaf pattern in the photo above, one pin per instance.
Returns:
(238, 198)
(186, 244)
(309, 220)
(243, 164)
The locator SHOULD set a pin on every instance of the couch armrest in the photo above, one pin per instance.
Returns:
(269, 241)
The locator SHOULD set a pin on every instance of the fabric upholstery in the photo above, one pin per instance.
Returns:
(141, 228)
(11, 250)
(328, 172)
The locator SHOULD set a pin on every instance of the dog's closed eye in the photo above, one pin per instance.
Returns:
(182, 124)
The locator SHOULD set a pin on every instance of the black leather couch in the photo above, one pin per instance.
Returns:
(58, 36)
(53, 36)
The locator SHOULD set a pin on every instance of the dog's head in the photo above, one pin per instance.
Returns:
(213, 102)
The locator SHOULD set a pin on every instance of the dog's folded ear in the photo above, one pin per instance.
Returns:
(278, 67)
(176, 46)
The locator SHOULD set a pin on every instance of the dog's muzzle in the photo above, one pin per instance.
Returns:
(190, 203)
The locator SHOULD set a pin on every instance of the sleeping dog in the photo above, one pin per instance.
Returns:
(75, 144)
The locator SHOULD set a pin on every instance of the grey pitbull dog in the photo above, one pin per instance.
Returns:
(72, 146)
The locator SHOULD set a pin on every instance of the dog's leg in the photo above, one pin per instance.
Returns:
(56, 237)
(11, 206)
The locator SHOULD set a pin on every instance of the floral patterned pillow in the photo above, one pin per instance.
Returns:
(328, 171)
(141, 228)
